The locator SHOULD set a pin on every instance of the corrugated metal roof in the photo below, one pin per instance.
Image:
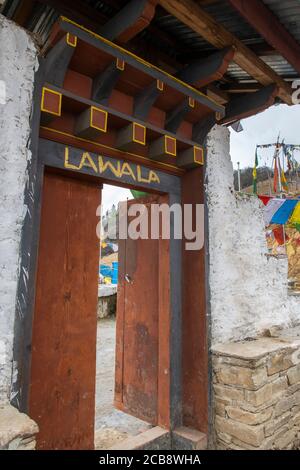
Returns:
(288, 12)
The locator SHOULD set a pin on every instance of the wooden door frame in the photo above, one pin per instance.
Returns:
(60, 158)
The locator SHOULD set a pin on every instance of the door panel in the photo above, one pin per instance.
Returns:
(138, 319)
(63, 365)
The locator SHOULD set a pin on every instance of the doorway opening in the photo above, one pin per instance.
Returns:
(112, 426)
(128, 392)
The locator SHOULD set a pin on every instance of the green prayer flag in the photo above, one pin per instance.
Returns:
(255, 173)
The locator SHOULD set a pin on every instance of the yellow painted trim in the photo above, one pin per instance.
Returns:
(165, 142)
(202, 152)
(139, 59)
(120, 64)
(43, 98)
(73, 44)
(160, 85)
(81, 139)
(191, 102)
(142, 142)
(93, 108)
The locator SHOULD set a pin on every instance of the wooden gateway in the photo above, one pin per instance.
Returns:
(103, 114)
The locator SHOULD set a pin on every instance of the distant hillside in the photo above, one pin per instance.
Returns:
(265, 181)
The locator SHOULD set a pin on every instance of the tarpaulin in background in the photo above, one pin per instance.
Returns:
(284, 212)
(295, 219)
(271, 208)
(265, 199)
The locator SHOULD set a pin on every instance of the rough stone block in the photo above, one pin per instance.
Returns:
(293, 375)
(285, 404)
(184, 438)
(279, 362)
(252, 419)
(295, 421)
(153, 439)
(259, 397)
(250, 379)
(228, 393)
(253, 435)
(276, 424)
(283, 442)
(15, 426)
(279, 385)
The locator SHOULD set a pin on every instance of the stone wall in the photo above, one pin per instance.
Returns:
(257, 393)
(17, 430)
(248, 289)
(18, 63)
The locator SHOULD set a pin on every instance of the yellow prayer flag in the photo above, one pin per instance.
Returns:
(295, 218)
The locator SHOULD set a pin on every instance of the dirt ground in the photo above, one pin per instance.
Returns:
(111, 426)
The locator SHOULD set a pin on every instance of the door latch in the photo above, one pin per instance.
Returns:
(128, 279)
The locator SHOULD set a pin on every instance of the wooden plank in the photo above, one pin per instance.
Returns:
(202, 128)
(139, 64)
(250, 104)
(78, 161)
(263, 20)
(105, 82)
(63, 367)
(135, 16)
(164, 324)
(201, 72)
(194, 333)
(139, 312)
(206, 26)
(58, 59)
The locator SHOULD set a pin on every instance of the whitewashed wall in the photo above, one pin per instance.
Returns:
(248, 290)
(18, 63)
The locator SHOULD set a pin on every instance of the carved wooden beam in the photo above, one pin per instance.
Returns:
(199, 73)
(204, 71)
(105, 82)
(51, 104)
(91, 122)
(191, 158)
(144, 101)
(131, 137)
(220, 96)
(249, 104)
(202, 128)
(129, 21)
(175, 117)
(215, 33)
(165, 146)
(59, 58)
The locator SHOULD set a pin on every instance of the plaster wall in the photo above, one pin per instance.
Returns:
(248, 289)
(18, 64)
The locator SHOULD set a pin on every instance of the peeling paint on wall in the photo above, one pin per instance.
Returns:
(18, 63)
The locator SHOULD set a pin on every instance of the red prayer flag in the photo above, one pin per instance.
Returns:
(265, 199)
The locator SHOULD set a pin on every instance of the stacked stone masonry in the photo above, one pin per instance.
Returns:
(257, 393)
(17, 430)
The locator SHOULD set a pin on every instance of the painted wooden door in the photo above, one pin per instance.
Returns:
(140, 349)
(63, 365)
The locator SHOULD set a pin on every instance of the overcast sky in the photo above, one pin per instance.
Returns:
(261, 129)
(264, 129)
